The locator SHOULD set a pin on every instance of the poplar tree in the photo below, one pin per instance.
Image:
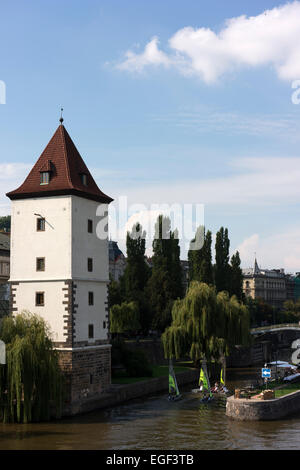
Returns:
(137, 273)
(222, 268)
(200, 260)
(236, 276)
(165, 284)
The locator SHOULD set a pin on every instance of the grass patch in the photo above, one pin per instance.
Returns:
(291, 388)
(158, 371)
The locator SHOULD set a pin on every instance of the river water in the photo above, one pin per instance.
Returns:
(157, 424)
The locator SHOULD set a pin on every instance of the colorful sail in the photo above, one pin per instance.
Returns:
(204, 378)
(222, 382)
(173, 387)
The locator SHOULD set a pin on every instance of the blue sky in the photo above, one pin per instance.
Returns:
(167, 102)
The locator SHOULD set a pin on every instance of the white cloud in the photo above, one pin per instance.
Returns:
(281, 250)
(269, 39)
(253, 182)
(151, 56)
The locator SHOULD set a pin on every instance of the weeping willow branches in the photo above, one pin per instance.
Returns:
(31, 381)
(206, 324)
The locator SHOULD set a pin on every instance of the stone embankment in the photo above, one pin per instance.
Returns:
(119, 394)
(244, 409)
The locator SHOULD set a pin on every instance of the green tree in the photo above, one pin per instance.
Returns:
(124, 318)
(205, 323)
(115, 295)
(137, 273)
(165, 284)
(222, 268)
(5, 223)
(200, 259)
(31, 381)
(236, 276)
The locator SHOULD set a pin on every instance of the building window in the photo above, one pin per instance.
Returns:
(104, 325)
(91, 298)
(91, 379)
(45, 177)
(91, 331)
(90, 226)
(40, 264)
(90, 264)
(40, 225)
(83, 177)
(40, 299)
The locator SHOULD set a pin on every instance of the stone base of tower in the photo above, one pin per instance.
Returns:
(87, 373)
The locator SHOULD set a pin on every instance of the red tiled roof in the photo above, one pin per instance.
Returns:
(63, 160)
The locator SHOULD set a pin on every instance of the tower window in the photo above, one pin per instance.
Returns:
(90, 226)
(45, 177)
(83, 177)
(40, 264)
(39, 299)
(91, 298)
(90, 264)
(40, 225)
(91, 331)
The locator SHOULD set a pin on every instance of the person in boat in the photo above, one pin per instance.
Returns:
(224, 389)
(216, 388)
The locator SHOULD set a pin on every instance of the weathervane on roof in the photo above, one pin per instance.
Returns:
(61, 118)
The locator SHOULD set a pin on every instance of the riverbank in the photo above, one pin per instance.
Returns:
(244, 409)
(119, 393)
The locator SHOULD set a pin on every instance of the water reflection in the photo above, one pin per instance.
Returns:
(156, 423)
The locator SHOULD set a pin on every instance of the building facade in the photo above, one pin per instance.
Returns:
(274, 286)
(59, 263)
(117, 261)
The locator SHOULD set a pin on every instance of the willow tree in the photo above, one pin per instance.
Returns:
(206, 324)
(124, 318)
(31, 382)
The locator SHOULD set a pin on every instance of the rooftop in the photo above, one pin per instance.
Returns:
(65, 168)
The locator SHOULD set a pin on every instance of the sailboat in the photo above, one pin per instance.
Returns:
(174, 393)
(204, 385)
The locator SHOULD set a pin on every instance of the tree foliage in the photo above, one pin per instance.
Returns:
(165, 284)
(31, 381)
(200, 259)
(124, 318)
(236, 276)
(206, 323)
(222, 269)
(5, 222)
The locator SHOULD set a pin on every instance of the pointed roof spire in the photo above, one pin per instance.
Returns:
(66, 169)
(256, 268)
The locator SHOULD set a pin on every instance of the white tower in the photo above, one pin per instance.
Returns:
(59, 264)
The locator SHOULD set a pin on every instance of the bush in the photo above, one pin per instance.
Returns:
(135, 363)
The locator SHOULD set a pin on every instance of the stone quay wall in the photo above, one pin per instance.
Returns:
(118, 394)
(243, 409)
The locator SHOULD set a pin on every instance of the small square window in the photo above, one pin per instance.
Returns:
(40, 299)
(40, 264)
(45, 177)
(91, 298)
(40, 225)
(90, 226)
(83, 177)
(90, 264)
(91, 331)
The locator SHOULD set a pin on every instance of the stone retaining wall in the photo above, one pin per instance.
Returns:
(243, 409)
(122, 393)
